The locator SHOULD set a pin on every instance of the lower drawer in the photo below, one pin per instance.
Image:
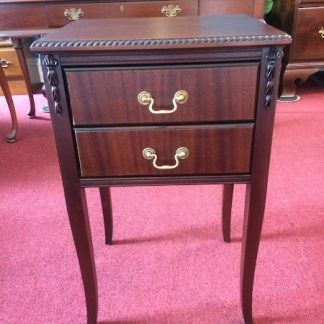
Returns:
(156, 151)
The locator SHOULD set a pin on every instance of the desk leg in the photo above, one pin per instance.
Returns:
(18, 46)
(253, 219)
(79, 221)
(226, 211)
(11, 137)
(107, 213)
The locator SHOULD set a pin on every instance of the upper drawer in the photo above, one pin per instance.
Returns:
(156, 151)
(213, 93)
(308, 40)
(22, 15)
(11, 66)
(59, 15)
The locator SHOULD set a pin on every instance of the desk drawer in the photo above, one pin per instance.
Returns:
(57, 16)
(215, 93)
(308, 40)
(10, 63)
(105, 152)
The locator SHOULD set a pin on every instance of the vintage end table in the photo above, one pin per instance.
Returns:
(155, 101)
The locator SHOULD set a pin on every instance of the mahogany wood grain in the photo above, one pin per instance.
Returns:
(118, 152)
(115, 96)
(209, 8)
(22, 15)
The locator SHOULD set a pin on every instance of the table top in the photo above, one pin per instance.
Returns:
(161, 33)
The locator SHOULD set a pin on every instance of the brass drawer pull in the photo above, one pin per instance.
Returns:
(321, 32)
(171, 11)
(5, 63)
(146, 99)
(73, 14)
(181, 153)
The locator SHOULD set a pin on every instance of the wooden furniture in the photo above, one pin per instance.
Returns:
(11, 137)
(303, 19)
(159, 101)
(21, 19)
(11, 68)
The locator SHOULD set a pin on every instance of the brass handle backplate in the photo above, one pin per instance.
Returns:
(181, 154)
(146, 99)
(171, 11)
(73, 14)
(5, 63)
(321, 32)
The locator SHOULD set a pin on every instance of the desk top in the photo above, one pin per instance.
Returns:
(161, 33)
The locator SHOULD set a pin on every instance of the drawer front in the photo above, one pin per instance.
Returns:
(22, 15)
(58, 15)
(10, 62)
(215, 93)
(309, 34)
(221, 7)
(113, 152)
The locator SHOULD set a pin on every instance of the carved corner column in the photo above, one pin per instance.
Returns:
(74, 195)
(256, 191)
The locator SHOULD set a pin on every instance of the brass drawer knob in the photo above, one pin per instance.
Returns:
(321, 32)
(73, 14)
(181, 154)
(5, 63)
(171, 11)
(146, 99)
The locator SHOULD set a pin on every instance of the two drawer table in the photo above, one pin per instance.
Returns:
(155, 101)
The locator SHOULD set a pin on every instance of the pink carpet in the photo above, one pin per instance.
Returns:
(169, 264)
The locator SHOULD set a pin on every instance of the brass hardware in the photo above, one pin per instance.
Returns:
(5, 63)
(171, 11)
(121, 8)
(181, 153)
(321, 32)
(73, 14)
(146, 99)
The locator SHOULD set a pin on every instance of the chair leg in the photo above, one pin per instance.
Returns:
(107, 213)
(11, 137)
(226, 211)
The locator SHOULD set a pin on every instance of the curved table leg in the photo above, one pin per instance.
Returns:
(11, 137)
(253, 219)
(107, 213)
(226, 211)
(79, 222)
(18, 46)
